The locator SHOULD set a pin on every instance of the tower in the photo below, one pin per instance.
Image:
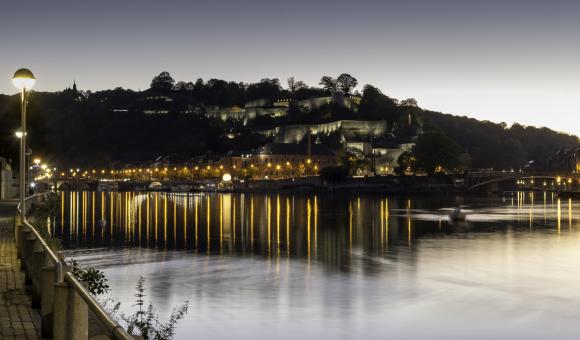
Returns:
(74, 88)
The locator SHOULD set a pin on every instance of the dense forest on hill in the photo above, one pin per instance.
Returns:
(97, 128)
(498, 145)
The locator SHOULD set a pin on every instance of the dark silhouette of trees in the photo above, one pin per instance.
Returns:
(220, 93)
(184, 86)
(100, 128)
(406, 163)
(346, 83)
(295, 85)
(434, 150)
(411, 102)
(310, 92)
(375, 105)
(498, 146)
(266, 88)
(328, 83)
(163, 81)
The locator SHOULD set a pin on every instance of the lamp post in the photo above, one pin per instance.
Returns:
(23, 79)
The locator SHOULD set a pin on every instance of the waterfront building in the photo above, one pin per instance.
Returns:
(349, 101)
(8, 185)
(279, 108)
(350, 129)
(278, 160)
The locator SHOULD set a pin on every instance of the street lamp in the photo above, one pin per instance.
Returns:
(23, 79)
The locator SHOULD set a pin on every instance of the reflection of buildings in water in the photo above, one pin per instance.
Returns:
(559, 216)
(330, 230)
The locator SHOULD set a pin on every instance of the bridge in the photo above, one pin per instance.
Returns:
(549, 180)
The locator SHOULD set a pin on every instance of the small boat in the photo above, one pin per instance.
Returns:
(181, 188)
(457, 215)
(155, 186)
(107, 186)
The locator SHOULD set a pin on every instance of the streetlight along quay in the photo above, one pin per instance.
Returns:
(23, 79)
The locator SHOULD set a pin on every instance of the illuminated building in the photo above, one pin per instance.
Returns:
(275, 161)
(8, 187)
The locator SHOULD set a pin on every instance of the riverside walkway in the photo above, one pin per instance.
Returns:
(17, 319)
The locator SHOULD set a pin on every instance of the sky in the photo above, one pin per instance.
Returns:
(494, 60)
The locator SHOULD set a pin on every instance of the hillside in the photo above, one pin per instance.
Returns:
(214, 117)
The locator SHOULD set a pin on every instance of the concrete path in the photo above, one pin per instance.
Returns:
(17, 319)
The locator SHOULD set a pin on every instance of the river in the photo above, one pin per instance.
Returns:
(301, 266)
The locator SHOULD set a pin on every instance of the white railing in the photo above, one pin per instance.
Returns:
(63, 300)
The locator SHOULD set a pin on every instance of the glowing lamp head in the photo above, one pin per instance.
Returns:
(23, 79)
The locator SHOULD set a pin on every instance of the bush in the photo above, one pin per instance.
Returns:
(334, 174)
(145, 322)
(94, 279)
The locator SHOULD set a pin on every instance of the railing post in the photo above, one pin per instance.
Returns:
(24, 232)
(36, 274)
(17, 227)
(78, 316)
(47, 300)
(71, 314)
(29, 242)
(60, 311)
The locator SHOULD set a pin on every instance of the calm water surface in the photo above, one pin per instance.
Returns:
(349, 267)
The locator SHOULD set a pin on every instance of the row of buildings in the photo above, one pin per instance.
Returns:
(281, 107)
(288, 151)
(371, 139)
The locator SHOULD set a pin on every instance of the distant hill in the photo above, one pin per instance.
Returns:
(210, 118)
(498, 145)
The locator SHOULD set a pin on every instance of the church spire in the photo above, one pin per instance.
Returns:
(74, 88)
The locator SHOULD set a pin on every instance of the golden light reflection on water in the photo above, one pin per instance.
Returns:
(185, 207)
(350, 226)
(570, 213)
(308, 225)
(295, 225)
(559, 216)
(288, 225)
(278, 223)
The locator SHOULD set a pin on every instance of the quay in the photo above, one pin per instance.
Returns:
(17, 318)
(466, 183)
(39, 297)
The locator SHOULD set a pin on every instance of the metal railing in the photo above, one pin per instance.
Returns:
(63, 300)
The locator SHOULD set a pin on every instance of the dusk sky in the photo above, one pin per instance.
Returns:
(495, 60)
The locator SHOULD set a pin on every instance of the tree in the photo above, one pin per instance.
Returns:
(328, 83)
(375, 105)
(406, 163)
(435, 150)
(163, 81)
(294, 85)
(345, 83)
(266, 88)
(184, 86)
(411, 102)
